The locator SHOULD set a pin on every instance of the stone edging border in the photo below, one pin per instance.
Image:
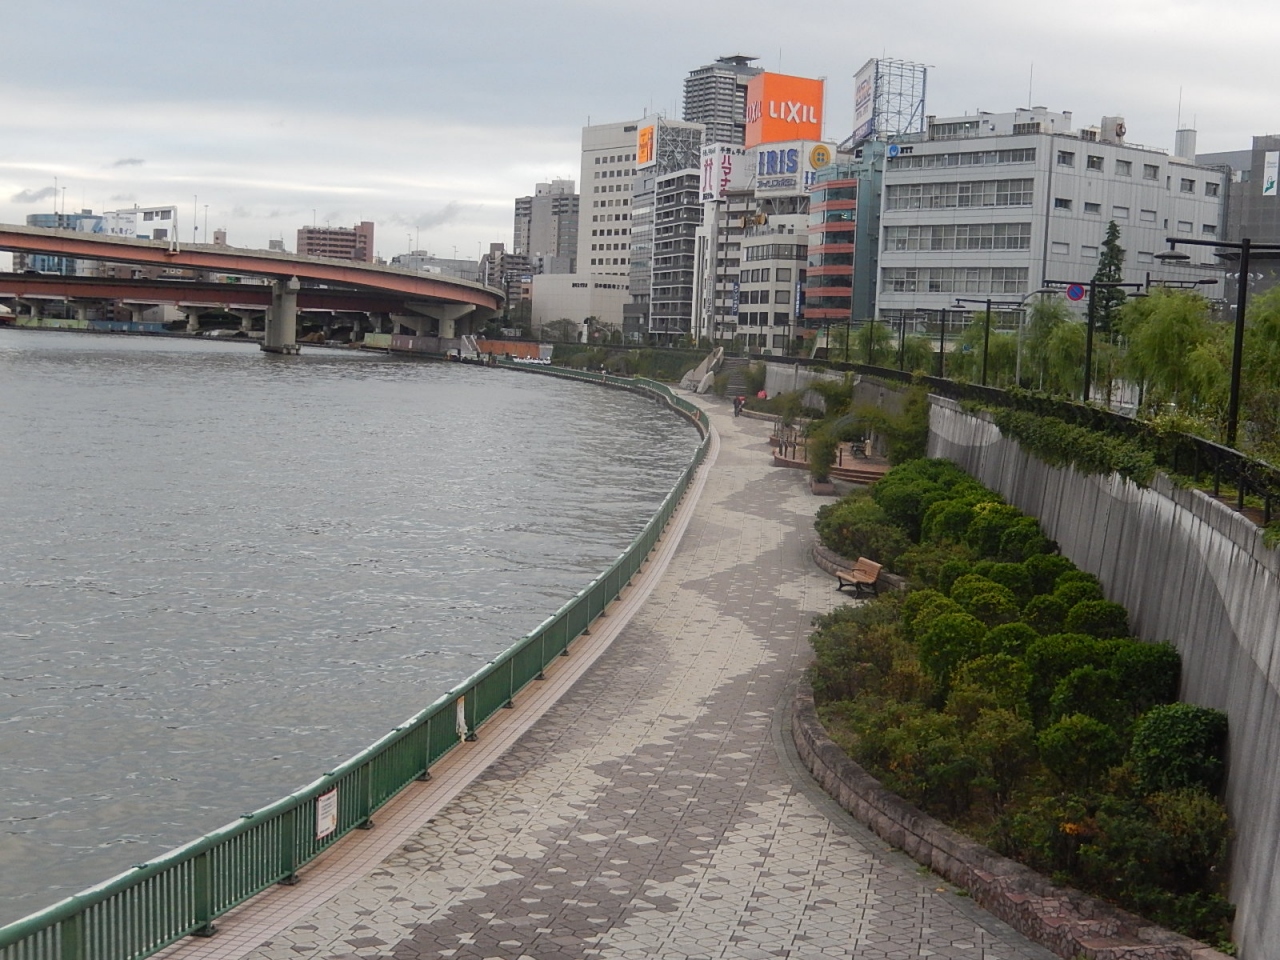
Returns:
(1065, 921)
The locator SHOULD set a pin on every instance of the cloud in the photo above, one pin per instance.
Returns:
(33, 196)
(427, 221)
(123, 198)
(129, 162)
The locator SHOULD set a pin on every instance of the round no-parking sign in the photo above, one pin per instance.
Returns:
(1075, 291)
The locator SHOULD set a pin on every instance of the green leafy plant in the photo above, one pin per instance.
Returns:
(1179, 745)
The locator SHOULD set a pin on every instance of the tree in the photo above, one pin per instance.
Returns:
(1175, 354)
(875, 344)
(1260, 375)
(563, 330)
(1045, 317)
(1107, 300)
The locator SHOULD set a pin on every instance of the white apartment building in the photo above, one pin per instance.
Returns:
(997, 204)
(144, 223)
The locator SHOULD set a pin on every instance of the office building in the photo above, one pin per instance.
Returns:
(45, 263)
(546, 227)
(1252, 208)
(715, 96)
(420, 261)
(338, 243)
(997, 204)
(599, 288)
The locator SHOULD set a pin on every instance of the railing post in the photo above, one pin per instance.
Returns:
(71, 933)
(202, 889)
(366, 796)
(288, 840)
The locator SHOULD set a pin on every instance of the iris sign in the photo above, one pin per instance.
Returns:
(789, 167)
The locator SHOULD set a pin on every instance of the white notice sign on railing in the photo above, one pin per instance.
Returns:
(326, 813)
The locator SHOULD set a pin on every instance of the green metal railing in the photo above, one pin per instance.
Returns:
(182, 892)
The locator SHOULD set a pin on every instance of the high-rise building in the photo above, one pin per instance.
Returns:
(338, 243)
(546, 227)
(716, 97)
(996, 204)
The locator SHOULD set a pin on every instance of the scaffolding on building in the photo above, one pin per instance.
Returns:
(897, 100)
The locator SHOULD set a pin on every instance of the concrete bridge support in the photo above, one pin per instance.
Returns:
(246, 319)
(282, 318)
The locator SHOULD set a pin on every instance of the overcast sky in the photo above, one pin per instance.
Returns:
(430, 117)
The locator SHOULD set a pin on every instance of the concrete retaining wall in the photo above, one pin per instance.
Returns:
(1190, 571)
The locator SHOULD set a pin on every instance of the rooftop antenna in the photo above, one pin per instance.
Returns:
(1179, 126)
(1030, 81)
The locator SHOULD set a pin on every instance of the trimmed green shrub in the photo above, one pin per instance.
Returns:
(1045, 614)
(1076, 585)
(1149, 672)
(855, 526)
(947, 520)
(951, 572)
(950, 640)
(1044, 570)
(1053, 657)
(1002, 745)
(1091, 691)
(1023, 539)
(1014, 576)
(1098, 618)
(821, 449)
(992, 681)
(928, 612)
(1079, 750)
(1009, 638)
(1179, 745)
(907, 491)
(968, 586)
(925, 563)
(990, 521)
(994, 605)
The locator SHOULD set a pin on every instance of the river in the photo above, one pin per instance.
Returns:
(222, 571)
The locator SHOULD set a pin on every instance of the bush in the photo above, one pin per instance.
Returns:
(967, 587)
(1009, 638)
(1076, 586)
(992, 681)
(907, 491)
(1023, 539)
(1053, 657)
(1149, 673)
(1001, 743)
(855, 647)
(1179, 745)
(1014, 576)
(924, 563)
(948, 520)
(1091, 691)
(1045, 614)
(990, 521)
(1044, 570)
(1079, 750)
(921, 608)
(950, 640)
(856, 527)
(1098, 618)
(994, 606)
(821, 449)
(952, 571)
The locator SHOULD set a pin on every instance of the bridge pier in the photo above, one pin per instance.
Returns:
(282, 319)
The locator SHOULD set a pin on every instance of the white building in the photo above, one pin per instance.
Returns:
(143, 223)
(599, 286)
(546, 227)
(994, 205)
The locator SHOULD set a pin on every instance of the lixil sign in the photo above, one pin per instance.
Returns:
(782, 108)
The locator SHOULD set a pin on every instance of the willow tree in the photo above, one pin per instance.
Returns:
(1053, 343)
(1260, 375)
(1175, 352)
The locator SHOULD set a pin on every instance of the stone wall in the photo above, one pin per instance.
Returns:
(1190, 571)
(1066, 921)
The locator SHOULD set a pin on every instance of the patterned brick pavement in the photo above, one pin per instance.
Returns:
(656, 810)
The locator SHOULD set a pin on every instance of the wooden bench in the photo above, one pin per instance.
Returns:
(862, 577)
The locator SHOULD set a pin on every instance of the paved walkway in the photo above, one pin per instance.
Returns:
(656, 809)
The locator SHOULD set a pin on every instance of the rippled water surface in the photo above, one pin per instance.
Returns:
(222, 571)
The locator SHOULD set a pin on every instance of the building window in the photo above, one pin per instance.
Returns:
(954, 279)
(1094, 163)
(1210, 188)
(1060, 249)
(958, 236)
(1066, 158)
(782, 296)
(1150, 171)
(1124, 168)
(1089, 253)
(1185, 226)
(952, 194)
(1061, 203)
(1187, 186)
(1147, 216)
(1093, 208)
(1146, 257)
(1209, 229)
(1120, 213)
(784, 273)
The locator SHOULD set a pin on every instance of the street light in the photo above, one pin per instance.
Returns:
(1245, 246)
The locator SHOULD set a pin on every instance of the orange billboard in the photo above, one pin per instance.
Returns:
(780, 108)
(646, 146)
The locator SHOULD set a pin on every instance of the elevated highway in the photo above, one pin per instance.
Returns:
(433, 305)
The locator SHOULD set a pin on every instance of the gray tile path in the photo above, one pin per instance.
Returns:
(656, 810)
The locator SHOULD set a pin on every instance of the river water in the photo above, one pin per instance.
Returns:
(222, 571)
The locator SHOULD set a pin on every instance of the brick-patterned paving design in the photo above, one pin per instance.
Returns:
(651, 812)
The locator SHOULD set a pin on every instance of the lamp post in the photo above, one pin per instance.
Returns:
(1246, 247)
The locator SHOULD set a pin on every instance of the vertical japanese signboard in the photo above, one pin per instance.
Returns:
(864, 101)
(1270, 170)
